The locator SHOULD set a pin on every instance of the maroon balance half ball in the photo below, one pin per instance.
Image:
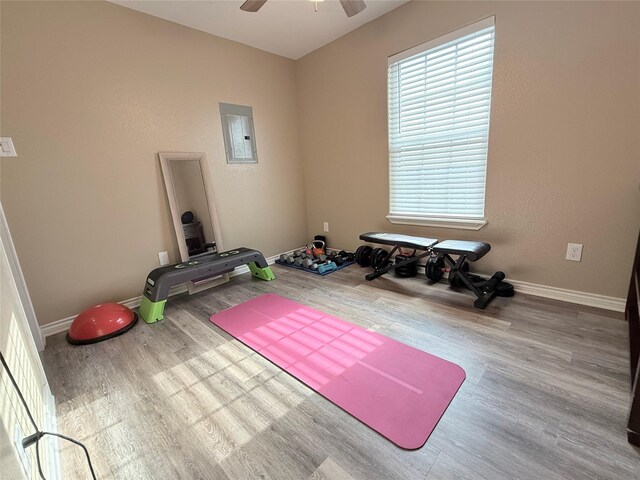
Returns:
(100, 323)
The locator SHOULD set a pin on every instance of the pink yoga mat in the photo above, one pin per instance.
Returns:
(399, 391)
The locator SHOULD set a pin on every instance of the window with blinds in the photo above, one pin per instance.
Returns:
(439, 103)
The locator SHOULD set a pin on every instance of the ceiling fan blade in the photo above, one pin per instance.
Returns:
(252, 5)
(352, 7)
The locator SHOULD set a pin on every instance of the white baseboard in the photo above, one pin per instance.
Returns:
(52, 446)
(63, 324)
(571, 296)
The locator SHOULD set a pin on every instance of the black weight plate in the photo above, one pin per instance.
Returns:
(363, 258)
(366, 256)
(406, 271)
(434, 267)
(504, 289)
(379, 258)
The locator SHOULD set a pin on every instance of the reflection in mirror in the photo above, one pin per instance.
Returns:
(190, 196)
(191, 199)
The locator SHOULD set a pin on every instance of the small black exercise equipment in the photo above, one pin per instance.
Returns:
(187, 217)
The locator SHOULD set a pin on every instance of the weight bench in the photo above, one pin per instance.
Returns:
(160, 280)
(398, 241)
(440, 255)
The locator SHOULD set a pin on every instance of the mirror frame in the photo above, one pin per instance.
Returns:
(165, 158)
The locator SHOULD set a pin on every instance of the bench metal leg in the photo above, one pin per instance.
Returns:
(484, 296)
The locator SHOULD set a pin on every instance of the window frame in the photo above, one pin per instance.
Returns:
(442, 220)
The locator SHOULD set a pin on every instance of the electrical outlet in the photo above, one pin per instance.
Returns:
(574, 252)
(326, 226)
(164, 258)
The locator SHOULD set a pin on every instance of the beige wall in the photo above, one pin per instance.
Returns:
(91, 92)
(564, 148)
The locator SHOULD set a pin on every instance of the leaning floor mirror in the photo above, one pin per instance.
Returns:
(190, 195)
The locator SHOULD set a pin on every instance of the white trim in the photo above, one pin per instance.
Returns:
(447, 37)
(571, 296)
(63, 324)
(457, 223)
(613, 304)
(21, 284)
(54, 472)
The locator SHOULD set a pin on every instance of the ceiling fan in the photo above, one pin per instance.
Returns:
(351, 7)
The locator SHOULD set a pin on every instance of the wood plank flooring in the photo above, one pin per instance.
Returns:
(546, 394)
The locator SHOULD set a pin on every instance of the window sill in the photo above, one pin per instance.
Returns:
(459, 224)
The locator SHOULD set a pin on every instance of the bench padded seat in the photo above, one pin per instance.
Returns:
(473, 250)
(402, 241)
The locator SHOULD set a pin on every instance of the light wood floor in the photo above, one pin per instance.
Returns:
(546, 394)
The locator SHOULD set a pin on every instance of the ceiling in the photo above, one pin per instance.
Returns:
(290, 28)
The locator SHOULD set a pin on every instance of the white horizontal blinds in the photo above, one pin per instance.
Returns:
(439, 102)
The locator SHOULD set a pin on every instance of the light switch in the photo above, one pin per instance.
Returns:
(7, 148)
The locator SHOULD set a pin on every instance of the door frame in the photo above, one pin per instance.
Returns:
(21, 284)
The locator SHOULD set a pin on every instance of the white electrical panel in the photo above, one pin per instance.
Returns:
(6, 147)
(239, 134)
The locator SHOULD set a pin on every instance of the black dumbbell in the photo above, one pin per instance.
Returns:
(348, 256)
(337, 259)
